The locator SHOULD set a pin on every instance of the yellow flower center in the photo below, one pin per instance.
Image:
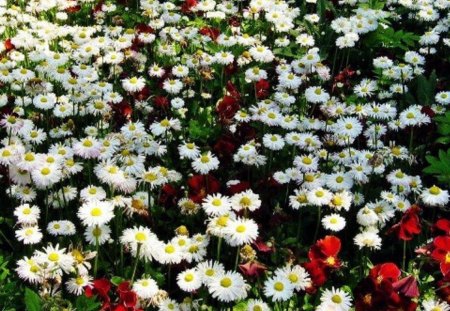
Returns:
(216, 202)
(140, 237)
(293, 278)
(435, 190)
(169, 249)
(53, 257)
(87, 143)
(96, 212)
(45, 171)
(278, 286)
(306, 160)
(225, 282)
(240, 228)
(245, 201)
(336, 299)
(189, 277)
(79, 280)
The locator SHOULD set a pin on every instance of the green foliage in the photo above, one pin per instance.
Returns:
(443, 128)
(439, 166)
(10, 295)
(424, 90)
(32, 300)
(86, 304)
(389, 38)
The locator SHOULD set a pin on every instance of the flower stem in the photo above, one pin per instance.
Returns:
(318, 223)
(97, 248)
(219, 246)
(136, 262)
(238, 250)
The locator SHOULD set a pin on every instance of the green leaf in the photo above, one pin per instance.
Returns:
(32, 300)
(84, 303)
(116, 280)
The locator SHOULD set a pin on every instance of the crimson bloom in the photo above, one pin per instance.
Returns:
(441, 253)
(252, 268)
(409, 225)
(202, 185)
(442, 226)
(326, 251)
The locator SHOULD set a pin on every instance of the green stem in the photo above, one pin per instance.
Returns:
(136, 262)
(219, 246)
(97, 248)
(238, 250)
(318, 223)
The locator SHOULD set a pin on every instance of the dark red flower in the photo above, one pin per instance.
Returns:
(318, 272)
(443, 288)
(211, 32)
(73, 9)
(239, 187)
(202, 185)
(144, 28)
(227, 108)
(441, 253)
(168, 195)
(129, 299)
(187, 5)
(407, 286)
(428, 111)
(234, 21)
(252, 268)
(262, 89)
(162, 102)
(224, 147)
(143, 94)
(326, 251)
(232, 90)
(409, 225)
(262, 246)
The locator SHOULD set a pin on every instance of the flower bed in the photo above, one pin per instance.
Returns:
(237, 155)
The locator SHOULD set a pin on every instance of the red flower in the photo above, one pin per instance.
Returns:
(144, 28)
(252, 268)
(442, 226)
(378, 292)
(211, 32)
(168, 195)
(318, 272)
(262, 89)
(202, 185)
(73, 9)
(224, 147)
(232, 90)
(262, 246)
(441, 253)
(239, 187)
(326, 251)
(187, 5)
(8, 45)
(143, 94)
(409, 225)
(385, 272)
(407, 286)
(227, 108)
(161, 102)
(101, 288)
(443, 287)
